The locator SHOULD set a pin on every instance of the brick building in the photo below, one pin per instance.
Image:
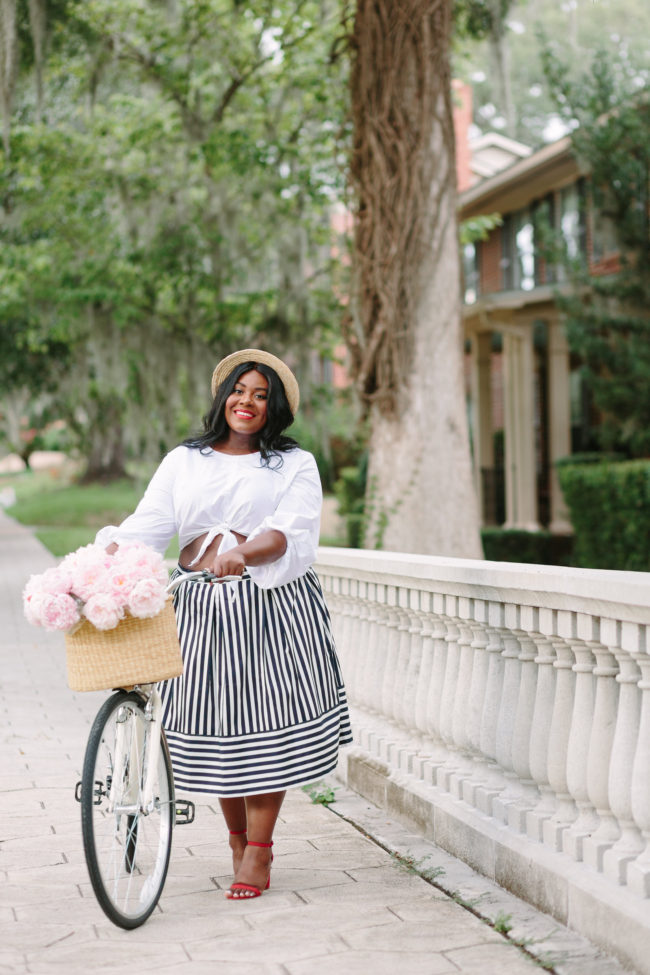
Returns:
(528, 407)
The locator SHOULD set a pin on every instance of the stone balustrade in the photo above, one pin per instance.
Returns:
(505, 711)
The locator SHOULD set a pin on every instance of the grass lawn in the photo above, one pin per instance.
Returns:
(65, 515)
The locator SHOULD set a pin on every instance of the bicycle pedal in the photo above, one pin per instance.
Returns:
(185, 810)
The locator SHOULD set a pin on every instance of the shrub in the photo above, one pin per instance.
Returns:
(610, 511)
(515, 545)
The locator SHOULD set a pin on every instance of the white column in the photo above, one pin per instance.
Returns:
(482, 409)
(559, 419)
(519, 404)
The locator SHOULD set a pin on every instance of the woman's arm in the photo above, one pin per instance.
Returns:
(267, 547)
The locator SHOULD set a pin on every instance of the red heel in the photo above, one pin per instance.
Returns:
(246, 891)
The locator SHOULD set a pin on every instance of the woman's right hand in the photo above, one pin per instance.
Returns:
(229, 564)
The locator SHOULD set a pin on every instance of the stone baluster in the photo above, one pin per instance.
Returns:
(372, 650)
(517, 811)
(398, 705)
(508, 713)
(638, 871)
(459, 723)
(578, 749)
(565, 812)
(351, 637)
(541, 726)
(424, 677)
(476, 703)
(486, 793)
(449, 691)
(630, 843)
(392, 651)
(599, 758)
(411, 664)
(362, 649)
(438, 753)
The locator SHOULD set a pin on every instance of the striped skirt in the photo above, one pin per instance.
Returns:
(261, 705)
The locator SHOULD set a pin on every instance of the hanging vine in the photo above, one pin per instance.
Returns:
(400, 87)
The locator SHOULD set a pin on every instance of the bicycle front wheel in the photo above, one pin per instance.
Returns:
(127, 847)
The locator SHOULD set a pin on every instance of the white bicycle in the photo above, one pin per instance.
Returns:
(128, 804)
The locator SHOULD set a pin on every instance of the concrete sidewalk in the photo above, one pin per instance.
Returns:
(347, 887)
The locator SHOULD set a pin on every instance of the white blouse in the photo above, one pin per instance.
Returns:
(194, 492)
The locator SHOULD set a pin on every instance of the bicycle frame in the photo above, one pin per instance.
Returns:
(139, 797)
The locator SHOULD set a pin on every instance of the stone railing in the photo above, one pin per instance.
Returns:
(505, 710)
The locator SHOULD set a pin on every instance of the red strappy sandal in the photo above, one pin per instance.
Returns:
(249, 890)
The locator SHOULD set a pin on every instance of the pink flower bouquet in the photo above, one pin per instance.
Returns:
(99, 587)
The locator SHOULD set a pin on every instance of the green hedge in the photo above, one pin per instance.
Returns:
(539, 548)
(610, 513)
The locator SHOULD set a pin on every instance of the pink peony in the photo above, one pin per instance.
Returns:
(147, 598)
(134, 578)
(103, 611)
(120, 581)
(143, 560)
(53, 611)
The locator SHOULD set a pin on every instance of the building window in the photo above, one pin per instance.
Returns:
(471, 273)
(525, 244)
(508, 253)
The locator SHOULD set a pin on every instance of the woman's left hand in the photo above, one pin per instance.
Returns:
(229, 564)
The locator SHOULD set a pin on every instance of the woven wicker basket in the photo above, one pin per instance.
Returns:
(135, 652)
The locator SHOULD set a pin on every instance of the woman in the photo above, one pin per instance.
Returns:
(261, 704)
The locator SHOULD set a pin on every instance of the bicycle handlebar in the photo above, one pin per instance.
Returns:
(202, 575)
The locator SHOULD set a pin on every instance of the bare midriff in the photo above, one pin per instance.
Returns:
(192, 549)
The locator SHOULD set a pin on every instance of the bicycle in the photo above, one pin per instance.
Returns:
(128, 804)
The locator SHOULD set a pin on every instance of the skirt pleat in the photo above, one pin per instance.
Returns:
(261, 704)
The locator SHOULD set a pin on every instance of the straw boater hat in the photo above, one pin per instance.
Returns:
(289, 381)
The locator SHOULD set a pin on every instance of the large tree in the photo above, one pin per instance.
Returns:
(405, 332)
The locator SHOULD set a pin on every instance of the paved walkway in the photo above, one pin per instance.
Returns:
(340, 900)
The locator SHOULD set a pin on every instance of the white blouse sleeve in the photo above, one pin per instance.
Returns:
(297, 516)
(153, 521)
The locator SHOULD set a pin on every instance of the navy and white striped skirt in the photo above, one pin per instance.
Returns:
(261, 705)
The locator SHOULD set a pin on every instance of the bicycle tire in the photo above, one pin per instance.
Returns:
(127, 853)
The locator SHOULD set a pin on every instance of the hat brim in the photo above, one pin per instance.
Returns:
(287, 378)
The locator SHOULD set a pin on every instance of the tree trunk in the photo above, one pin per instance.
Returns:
(105, 455)
(405, 339)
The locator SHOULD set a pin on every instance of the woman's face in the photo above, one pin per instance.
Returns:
(245, 410)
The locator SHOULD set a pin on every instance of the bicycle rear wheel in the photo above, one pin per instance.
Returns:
(127, 849)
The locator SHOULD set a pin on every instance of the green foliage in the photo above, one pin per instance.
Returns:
(578, 29)
(608, 316)
(173, 204)
(537, 548)
(479, 228)
(350, 491)
(610, 512)
(320, 793)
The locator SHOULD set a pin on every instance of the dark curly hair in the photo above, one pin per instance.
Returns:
(272, 441)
